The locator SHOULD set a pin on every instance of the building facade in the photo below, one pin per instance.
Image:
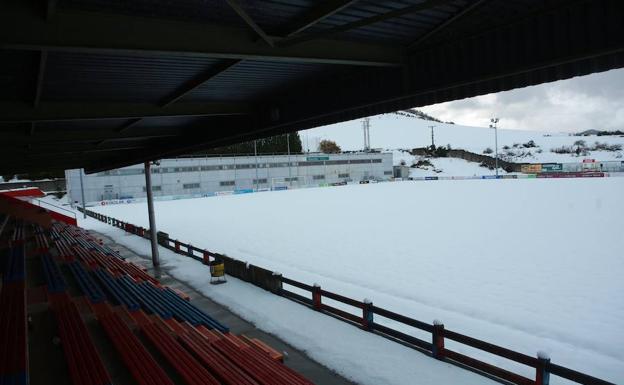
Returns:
(183, 177)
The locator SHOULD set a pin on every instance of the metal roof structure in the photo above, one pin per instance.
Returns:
(101, 84)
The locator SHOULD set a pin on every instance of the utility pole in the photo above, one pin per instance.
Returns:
(494, 122)
(150, 212)
(432, 142)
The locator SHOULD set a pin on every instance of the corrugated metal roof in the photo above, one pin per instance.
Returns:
(251, 80)
(17, 82)
(79, 76)
(186, 10)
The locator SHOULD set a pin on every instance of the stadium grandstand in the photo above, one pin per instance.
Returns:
(104, 84)
(54, 271)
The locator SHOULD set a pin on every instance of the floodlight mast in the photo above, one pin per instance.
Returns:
(494, 122)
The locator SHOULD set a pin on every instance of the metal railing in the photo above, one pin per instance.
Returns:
(65, 212)
(434, 347)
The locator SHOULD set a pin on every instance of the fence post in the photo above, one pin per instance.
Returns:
(437, 340)
(367, 314)
(206, 258)
(278, 283)
(189, 250)
(542, 375)
(316, 296)
(177, 246)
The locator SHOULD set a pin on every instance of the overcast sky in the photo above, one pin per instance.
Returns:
(589, 102)
(578, 104)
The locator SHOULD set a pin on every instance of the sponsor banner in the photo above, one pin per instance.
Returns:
(589, 160)
(364, 182)
(431, 178)
(117, 202)
(488, 177)
(243, 191)
(280, 188)
(317, 158)
(510, 176)
(221, 193)
(339, 184)
(531, 168)
(548, 167)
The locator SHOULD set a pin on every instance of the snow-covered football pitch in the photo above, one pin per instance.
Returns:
(527, 264)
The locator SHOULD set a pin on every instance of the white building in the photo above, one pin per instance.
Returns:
(185, 177)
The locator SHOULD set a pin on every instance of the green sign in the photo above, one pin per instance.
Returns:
(552, 167)
(312, 158)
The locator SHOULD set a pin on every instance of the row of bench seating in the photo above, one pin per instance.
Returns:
(13, 330)
(84, 361)
(137, 358)
(86, 282)
(200, 349)
(242, 361)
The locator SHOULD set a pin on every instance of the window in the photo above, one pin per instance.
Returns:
(387, 172)
(343, 175)
(311, 163)
(154, 188)
(293, 179)
(318, 177)
(227, 183)
(190, 185)
(260, 181)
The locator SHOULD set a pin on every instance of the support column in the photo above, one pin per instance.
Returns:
(84, 207)
(150, 211)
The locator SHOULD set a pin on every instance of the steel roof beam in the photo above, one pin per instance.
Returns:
(70, 111)
(425, 5)
(466, 11)
(323, 11)
(43, 58)
(235, 5)
(199, 81)
(90, 32)
(60, 139)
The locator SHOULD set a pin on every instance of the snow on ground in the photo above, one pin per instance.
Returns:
(393, 131)
(355, 354)
(441, 166)
(527, 264)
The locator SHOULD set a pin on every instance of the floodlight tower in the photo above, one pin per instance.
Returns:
(432, 141)
(366, 130)
(494, 122)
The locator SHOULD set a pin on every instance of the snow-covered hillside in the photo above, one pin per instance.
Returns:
(397, 132)
(527, 264)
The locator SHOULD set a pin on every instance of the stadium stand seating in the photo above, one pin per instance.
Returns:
(87, 283)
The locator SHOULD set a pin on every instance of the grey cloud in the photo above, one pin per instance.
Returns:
(594, 101)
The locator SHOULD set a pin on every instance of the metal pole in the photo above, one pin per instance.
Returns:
(84, 207)
(150, 212)
(288, 147)
(256, 156)
(496, 144)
